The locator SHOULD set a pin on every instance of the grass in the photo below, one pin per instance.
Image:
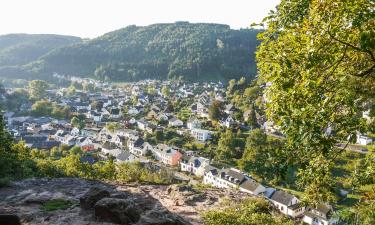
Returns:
(56, 204)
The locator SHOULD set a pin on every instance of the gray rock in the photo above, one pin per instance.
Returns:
(161, 217)
(116, 210)
(92, 196)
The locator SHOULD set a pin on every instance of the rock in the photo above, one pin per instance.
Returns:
(93, 195)
(180, 189)
(9, 219)
(161, 217)
(116, 210)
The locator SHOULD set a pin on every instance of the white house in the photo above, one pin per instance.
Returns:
(200, 134)
(228, 122)
(322, 215)
(174, 122)
(194, 165)
(287, 204)
(166, 154)
(115, 113)
(139, 147)
(193, 124)
(133, 111)
(74, 131)
(224, 178)
(364, 139)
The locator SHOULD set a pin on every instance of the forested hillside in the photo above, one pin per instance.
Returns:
(160, 51)
(20, 49)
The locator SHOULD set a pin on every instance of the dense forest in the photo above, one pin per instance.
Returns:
(160, 51)
(19, 49)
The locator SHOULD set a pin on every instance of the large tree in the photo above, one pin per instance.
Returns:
(318, 57)
(37, 89)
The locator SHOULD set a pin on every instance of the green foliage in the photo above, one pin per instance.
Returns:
(264, 157)
(165, 91)
(56, 204)
(76, 122)
(37, 89)
(112, 126)
(15, 100)
(230, 146)
(250, 211)
(319, 60)
(47, 108)
(215, 111)
(20, 49)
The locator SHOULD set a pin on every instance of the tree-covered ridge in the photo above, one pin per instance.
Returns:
(194, 51)
(20, 49)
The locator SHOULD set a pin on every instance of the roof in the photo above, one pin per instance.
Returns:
(174, 119)
(123, 156)
(282, 197)
(324, 209)
(250, 185)
(211, 169)
(233, 173)
(139, 142)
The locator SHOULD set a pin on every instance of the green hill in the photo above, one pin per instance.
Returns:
(194, 51)
(20, 49)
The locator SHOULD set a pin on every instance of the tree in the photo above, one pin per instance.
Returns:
(71, 90)
(229, 146)
(113, 126)
(264, 157)
(165, 91)
(215, 111)
(60, 112)
(15, 100)
(76, 150)
(89, 87)
(42, 108)
(321, 75)
(76, 122)
(37, 89)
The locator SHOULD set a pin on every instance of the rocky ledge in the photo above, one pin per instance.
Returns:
(94, 202)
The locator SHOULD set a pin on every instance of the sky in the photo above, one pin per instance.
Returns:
(92, 18)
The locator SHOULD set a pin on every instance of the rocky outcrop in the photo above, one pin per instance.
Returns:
(92, 196)
(96, 203)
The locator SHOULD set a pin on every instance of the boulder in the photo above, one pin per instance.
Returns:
(161, 217)
(116, 210)
(93, 195)
(9, 219)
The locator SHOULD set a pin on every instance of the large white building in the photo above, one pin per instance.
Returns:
(194, 165)
(232, 178)
(200, 134)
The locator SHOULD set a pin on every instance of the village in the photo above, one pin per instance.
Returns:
(162, 123)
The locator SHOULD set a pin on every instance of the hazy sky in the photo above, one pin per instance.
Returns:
(91, 18)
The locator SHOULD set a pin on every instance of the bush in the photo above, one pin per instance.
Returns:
(56, 204)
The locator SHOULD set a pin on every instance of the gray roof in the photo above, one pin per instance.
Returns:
(123, 156)
(282, 197)
(250, 185)
(232, 173)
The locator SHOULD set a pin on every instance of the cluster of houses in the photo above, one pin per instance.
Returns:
(286, 203)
